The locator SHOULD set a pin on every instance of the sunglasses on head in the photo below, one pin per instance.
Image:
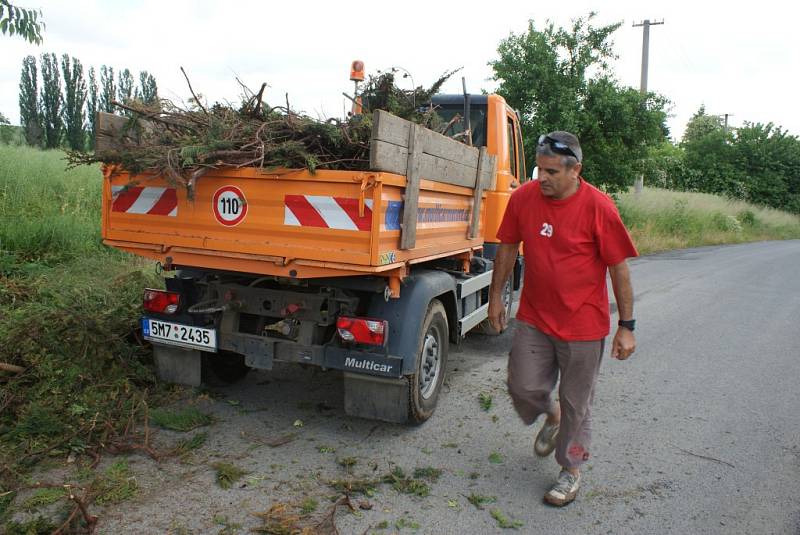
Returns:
(559, 147)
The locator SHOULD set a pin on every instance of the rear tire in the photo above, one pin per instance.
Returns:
(426, 384)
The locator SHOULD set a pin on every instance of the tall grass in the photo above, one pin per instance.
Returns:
(661, 220)
(47, 214)
(69, 309)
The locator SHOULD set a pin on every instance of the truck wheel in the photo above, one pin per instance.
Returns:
(425, 385)
(508, 300)
(224, 366)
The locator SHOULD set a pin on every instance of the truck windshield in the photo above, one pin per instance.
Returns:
(477, 122)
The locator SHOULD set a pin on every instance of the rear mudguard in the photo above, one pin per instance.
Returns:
(406, 314)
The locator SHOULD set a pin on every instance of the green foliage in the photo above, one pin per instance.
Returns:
(496, 458)
(44, 497)
(183, 144)
(51, 101)
(400, 482)
(429, 473)
(36, 526)
(147, 91)
(662, 220)
(68, 311)
(30, 118)
(195, 442)
(478, 500)
(125, 87)
(66, 205)
(3, 119)
(759, 163)
(92, 107)
(504, 522)
(181, 420)
(308, 506)
(108, 91)
(25, 23)
(74, 102)
(115, 485)
(228, 474)
(559, 79)
(485, 401)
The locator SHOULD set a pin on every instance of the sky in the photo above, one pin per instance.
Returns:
(739, 61)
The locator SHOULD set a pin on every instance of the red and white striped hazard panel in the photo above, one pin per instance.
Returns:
(326, 212)
(145, 200)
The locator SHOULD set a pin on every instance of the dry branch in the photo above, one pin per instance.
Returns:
(181, 145)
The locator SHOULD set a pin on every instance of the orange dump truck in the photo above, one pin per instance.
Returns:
(373, 273)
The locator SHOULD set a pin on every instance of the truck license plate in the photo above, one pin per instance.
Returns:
(188, 336)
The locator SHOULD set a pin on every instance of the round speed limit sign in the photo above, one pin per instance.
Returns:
(230, 206)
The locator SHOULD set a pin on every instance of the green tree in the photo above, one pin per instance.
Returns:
(559, 79)
(700, 125)
(108, 91)
(51, 101)
(4, 119)
(21, 21)
(74, 102)
(30, 119)
(711, 158)
(769, 158)
(125, 88)
(92, 104)
(148, 89)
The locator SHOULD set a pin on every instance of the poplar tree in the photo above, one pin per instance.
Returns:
(108, 91)
(30, 119)
(148, 90)
(125, 88)
(51, 101)
(74, 101)
(92, 103)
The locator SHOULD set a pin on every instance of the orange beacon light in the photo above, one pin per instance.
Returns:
(357, 71)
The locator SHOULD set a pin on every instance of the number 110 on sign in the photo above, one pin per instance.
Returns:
(230, 205)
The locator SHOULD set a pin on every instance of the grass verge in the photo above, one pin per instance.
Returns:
(662, 220)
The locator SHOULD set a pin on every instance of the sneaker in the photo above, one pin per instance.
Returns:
(565, 489)
(545, 441)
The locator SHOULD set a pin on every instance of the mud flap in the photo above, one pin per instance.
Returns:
(178, 365)
(376, 398)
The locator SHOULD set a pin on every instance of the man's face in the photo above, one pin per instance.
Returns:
(556, 180)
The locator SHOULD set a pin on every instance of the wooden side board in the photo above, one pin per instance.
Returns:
(443, 159)
(111, 131)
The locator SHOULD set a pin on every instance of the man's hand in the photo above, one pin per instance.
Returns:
(622, 347)
(497, 312)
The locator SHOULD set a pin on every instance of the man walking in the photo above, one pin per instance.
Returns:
(572, 236)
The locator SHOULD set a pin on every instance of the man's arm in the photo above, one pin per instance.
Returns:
(503, 265)
(624, 343)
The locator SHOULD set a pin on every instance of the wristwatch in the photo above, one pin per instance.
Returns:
(628, 324)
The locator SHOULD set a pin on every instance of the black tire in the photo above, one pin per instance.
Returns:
(426, 384)
(225, 367)
(508, 299)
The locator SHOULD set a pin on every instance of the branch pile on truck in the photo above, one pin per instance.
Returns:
(373, 271)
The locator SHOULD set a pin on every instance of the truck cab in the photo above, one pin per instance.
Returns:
(496, 126)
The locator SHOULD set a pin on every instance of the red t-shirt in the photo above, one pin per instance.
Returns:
(568, 246)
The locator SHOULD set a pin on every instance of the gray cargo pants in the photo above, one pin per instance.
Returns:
(533, 370)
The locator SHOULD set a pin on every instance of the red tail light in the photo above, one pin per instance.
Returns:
(363, 330)
(161, 301)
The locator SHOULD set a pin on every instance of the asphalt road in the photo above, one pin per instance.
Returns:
(699, 432)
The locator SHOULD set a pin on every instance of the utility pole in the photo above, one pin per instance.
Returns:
(726, 123)
(645, 24)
